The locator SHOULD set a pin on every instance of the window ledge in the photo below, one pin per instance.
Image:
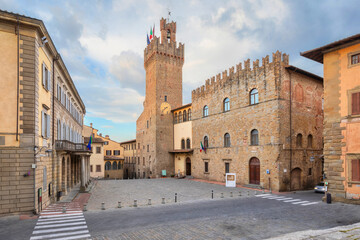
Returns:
(206, 172)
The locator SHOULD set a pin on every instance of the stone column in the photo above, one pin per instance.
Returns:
(82, 175)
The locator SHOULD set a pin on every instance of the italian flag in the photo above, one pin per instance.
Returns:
(202, 147)
(151, 34)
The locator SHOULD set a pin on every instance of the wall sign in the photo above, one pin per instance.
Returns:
(230, 180)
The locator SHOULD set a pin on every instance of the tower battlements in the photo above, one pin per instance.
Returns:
(165, 47)
(242, 75)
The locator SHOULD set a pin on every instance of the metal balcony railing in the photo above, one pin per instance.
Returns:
(65, 145)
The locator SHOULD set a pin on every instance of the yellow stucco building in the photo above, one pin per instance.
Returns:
(133, 167)
(341, 61)
(42, 154)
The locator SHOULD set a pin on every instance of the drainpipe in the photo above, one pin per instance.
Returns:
(18, 79)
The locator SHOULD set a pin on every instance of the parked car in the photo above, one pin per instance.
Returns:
(320, 187)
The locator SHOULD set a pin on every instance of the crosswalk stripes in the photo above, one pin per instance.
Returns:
(286, 199)
(63, 221)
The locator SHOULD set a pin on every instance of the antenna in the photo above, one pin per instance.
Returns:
(169, 14)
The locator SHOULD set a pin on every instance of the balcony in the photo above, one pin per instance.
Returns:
(65, 145)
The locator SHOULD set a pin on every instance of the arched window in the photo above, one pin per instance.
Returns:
(227, 140)
(180, 117)
(206, 142)
(226, 104)
(175, 118)
(114, 166)
(188, 143)
(107, 166)
(184, 116)
(254, 96)
(119, 165)
(299, 140)
(189, 114)
(182, 144)
(310, 141)
(205, 111)
(254, 137)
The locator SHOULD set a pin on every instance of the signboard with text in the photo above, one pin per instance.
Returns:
(230, 179)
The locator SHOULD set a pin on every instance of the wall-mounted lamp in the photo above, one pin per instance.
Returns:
(38, 151)
(43, 40)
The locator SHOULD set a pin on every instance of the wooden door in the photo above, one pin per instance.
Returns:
(188, 166)
(254, 171)
(296, 179)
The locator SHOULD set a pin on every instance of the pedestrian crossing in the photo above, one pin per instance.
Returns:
(286, 199)
(63, 221)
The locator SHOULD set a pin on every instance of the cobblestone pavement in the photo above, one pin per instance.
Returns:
(126, 191)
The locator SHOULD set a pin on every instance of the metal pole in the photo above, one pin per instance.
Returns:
(119, 204)
(175, 197)
(102, 206)
(212, 194)
(135, 203)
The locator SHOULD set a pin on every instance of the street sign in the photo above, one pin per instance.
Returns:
(312, 159)
(230, 180)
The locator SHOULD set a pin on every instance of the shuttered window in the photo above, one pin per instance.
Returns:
(355, 103)
(355, 170)
(46, 77)
(45, 179)
(45, 125)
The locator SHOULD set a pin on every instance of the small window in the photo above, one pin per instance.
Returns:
(107, 166)
(310, 172)
(227, 167)
(355, 103)
(189, 115)
(175, 118)
(299, 140)
(138, 160)
(205, 111)
(355, 170)
(46, 77)
(206, 167)
(188, 143)
(147, 124)
(206, 142)
(116, 152)
(184, 116)
(254, 96)
(106, 143)
(45, 179)
(91, 168)
(143, 161)
(310, 141)
(355, 59)
(227, 140)
(45, 124)
(165, 98)
(226, 104)
(98, 149)
(139, 146)
(147, 148)
(98, 168)
(254, 137)
(108, 152)
(182, 144)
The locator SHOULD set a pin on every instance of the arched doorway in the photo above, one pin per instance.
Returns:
(254, 171)
(296, 179)
(188, 167)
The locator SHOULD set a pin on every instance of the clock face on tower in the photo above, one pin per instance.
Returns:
(165, 108)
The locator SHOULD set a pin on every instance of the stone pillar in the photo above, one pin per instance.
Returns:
(82, 175)
(88, 158)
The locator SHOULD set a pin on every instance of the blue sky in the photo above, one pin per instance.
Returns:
(102, 43)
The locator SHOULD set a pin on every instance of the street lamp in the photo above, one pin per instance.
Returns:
(38, 151)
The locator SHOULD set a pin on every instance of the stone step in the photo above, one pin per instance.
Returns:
(255, 186)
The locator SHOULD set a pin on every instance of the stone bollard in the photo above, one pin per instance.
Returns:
(163, 200)
(239, 194)
(212, 194)
(231, 195)
(270, 191)
(175, 197)
(119, 204)
(149, 201)
(85, 208)
(263, 190)
(63, 209)
(102, 206)
(135, 203)
(222, 195)
(248, 193)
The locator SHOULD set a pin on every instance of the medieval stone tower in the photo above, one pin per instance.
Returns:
(163, 62)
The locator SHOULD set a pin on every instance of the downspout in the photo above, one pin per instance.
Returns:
(18, 78)
(290, 125)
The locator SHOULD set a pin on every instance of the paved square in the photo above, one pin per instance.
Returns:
(125, 191)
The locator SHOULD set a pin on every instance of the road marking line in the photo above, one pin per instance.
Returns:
(267, 194)
(59, 229)
(60, 225)
(300, 202)
(58, 219)
(61, 221)
(306, 204)
(282, 199)
(74, 237)
(59, 235)
(62, 215)
(273, 197)
(294, 200)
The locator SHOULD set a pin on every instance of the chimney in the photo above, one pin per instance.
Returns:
(91, 125)
(107, 137)
(100, 134)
